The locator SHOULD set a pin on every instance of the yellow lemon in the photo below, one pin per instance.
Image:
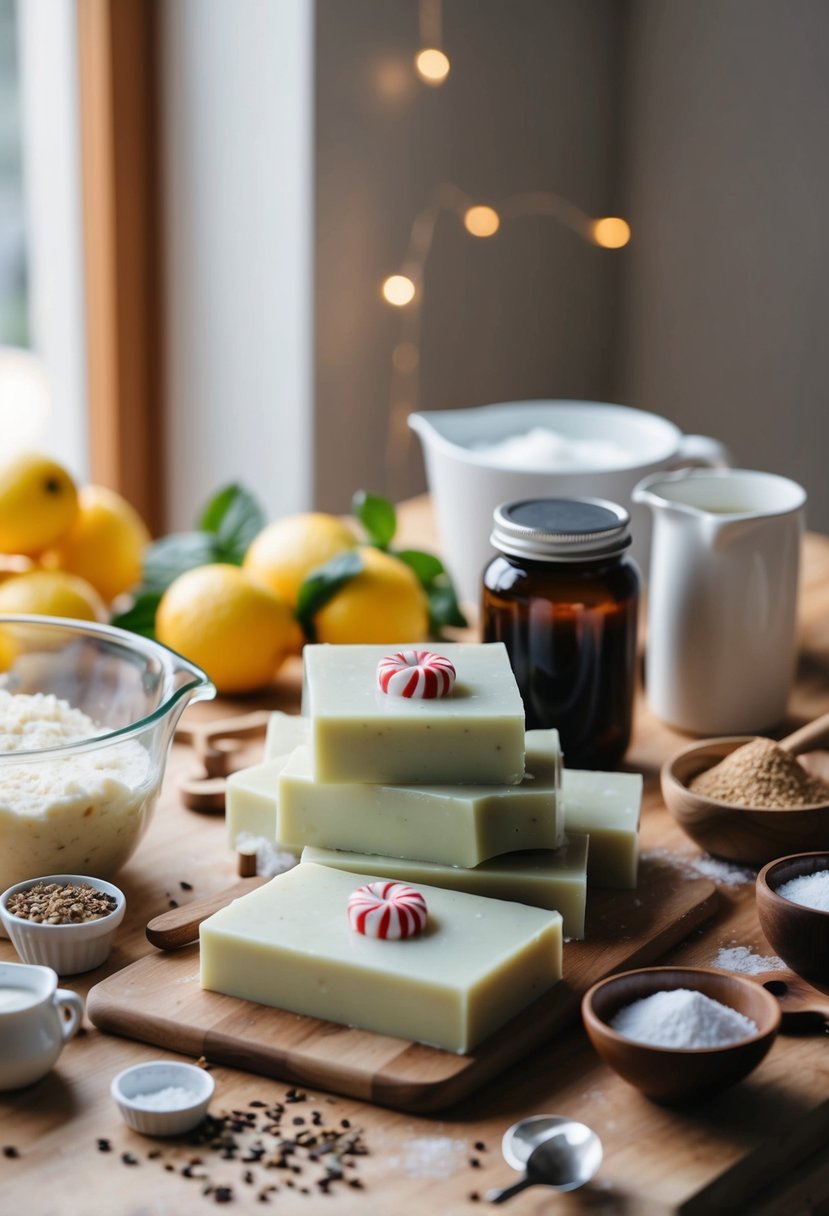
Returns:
(383, 603)
(105, 544)
(233, 627)
(286, 551)
(52, 593)
(38, 504)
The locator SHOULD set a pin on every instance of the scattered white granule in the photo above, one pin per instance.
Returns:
(744, 959)
(434, 1156)
(723, 872)
(270, 860)
(682, 1018)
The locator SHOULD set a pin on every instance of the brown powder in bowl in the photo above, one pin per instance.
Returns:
(761, 774)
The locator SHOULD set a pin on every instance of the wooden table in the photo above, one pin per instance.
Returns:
(656, 1160)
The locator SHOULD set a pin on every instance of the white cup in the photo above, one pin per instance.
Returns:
(722, 604)
(467, 484)
(36, 1019)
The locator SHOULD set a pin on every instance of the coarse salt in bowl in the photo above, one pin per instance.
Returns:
(68, 949)
(673, 1074)
(163, 1097)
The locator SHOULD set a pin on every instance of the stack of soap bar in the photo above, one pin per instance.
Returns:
(459, 825)
(606, 806)
(477, 963)
(360, 734)
(544, 878)
(456, 824)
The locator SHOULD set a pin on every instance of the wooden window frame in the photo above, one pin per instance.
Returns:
(120, 160)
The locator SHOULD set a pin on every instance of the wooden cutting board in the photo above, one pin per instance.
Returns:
(158, 1000)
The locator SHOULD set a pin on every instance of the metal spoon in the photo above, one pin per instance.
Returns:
(563, 1154)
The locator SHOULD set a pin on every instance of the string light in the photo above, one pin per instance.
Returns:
(481, 221)
(404, 291)
(399, 290)
(432, 66)
(431, 61)
(611, 232)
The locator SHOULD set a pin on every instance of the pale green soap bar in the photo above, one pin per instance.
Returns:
(250, 801)
(607, 807)
(457, 825)
(555, 879)
(360, 734)
(284, 733)
(477, 963)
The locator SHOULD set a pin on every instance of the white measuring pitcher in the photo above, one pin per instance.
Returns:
(722, 605)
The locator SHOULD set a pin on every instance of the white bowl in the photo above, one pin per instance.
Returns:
(67, 949)
(144, 1080)
(467, 483)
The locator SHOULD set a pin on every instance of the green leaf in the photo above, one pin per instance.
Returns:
(234, 516)
(140, 618)
(166, 559)
(322, 584)
(444, 610)
(378, 517)
(426, 566)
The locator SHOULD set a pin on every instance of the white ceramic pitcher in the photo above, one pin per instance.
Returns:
(36, 1019)
(722, 608)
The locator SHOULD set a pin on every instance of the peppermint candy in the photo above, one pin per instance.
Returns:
(416, 673)
(386, 910)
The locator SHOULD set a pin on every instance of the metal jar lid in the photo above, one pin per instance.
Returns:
(561, 529)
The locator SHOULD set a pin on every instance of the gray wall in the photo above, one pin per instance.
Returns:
(706, 122)
(530, 104)
(726, 292)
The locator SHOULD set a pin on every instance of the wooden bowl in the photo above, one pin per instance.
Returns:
(675, 1075)
(798, 934)
(751, 835)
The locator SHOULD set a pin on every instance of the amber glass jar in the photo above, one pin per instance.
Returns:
(563, 597)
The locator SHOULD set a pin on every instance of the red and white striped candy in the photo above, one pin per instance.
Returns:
(416, 673)
(386, 910)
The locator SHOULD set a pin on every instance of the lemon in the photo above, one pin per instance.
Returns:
(383, 603)
(52, 593)
(105, 544)
(38, 504)
(221, 619)
(286, 551)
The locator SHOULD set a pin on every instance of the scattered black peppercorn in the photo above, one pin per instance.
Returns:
(479, 1146)
(129, 1159)
(475, 1163)
(10, 1151)
(186, 886)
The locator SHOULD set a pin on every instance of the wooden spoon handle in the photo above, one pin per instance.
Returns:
(180, 926)
(809, 736)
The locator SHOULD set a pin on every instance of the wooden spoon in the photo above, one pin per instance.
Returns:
(810, 736)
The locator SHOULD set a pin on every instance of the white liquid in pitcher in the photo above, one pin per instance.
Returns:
(12, 999)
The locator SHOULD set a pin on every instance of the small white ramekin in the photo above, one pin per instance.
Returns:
(152, 1077)
(67, 949)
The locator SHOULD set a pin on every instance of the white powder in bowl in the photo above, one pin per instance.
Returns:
(80, 813)
(172, 1097)
(682, 1018)
(543, 449)
(809, 890)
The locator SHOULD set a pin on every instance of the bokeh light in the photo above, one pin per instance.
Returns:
(432, 66)
(482, 221)
(610, 232)
(398, 290)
